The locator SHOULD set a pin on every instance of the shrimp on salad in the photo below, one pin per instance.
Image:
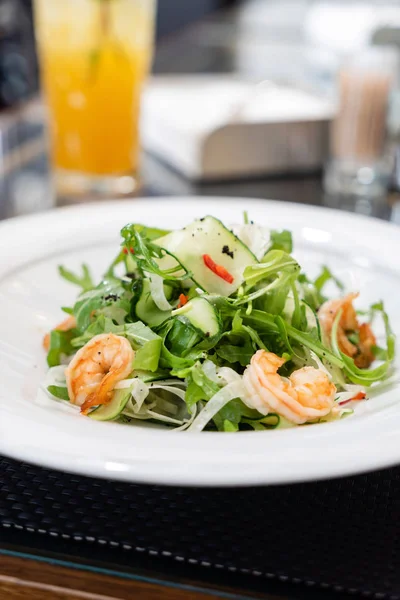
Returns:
(354, 339)
(96, 368)
(200, 317)
(307, 395)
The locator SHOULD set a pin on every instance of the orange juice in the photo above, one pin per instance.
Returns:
(95, 55)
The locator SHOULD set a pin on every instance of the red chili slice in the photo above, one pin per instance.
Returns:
(217, 269)
(125, 250)
(182, 300)
(358, 396)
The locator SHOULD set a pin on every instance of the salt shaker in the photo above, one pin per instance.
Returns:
(358, 174)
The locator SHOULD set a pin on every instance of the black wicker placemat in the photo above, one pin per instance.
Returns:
(342, 534)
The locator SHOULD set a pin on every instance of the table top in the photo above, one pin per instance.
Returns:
(38, 567)
(41, 568)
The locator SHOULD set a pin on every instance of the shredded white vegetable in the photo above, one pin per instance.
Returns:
(228, 375)
(139, 407)
(320, 365)
(157, 291)
(164, 418)
(167, 407)
(125, 383)
(210, 371)
(55, 376)
(139, 392)
(256, 238)
(350, 390)
(214, 405)
(174, 390)
(187, 423)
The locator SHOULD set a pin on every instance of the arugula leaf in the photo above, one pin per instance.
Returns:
(236, 354)
(101, 325)
(379, 353)
(84, 281)
(234, 412)
(325, 276)
(264, 322)
(107, 293)
(147, 356)
(60, 346)
(116, 312)
(229, 426)
(194, 394)
(147, 345)
(274, 300)
(312, 291)
(58, 392)
(275, 261)
(209, 386)
(271, 421)
(181, 337)
(199, 386)
(151, 233)
(145, 342)
(139, 238)
(309, 292)
(278, 271)
(168, 360)
(281, 240)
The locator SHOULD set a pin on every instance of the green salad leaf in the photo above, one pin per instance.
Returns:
(60, 346)
(192, 346)
(281, 240)
(84, 281)
(59, 392)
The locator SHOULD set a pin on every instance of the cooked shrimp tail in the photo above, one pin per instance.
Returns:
(307, 395)
(96, 368)
(354, 339)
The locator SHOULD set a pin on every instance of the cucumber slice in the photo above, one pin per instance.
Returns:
(203, 316)
(311, 317)
(110, 411)
(208, 236)
(145, 308)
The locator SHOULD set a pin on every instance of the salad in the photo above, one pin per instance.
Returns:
(217, 328)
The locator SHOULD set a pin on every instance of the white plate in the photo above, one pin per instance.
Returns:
(364, 252)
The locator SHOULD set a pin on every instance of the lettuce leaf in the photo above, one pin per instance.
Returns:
(84, 281)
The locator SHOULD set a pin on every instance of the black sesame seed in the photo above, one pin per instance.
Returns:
(225, 250)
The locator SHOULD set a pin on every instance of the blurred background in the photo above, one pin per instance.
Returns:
(289, 99)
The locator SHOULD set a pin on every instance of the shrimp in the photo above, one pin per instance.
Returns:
(66, 325)
(361, 350)
(96, 368)
(306, 395)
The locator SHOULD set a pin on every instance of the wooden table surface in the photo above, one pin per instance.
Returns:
(22, 578)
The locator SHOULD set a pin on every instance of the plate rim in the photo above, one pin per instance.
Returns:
(388, 454)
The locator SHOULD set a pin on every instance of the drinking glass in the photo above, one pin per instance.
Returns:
(95, 56)
(358, 174)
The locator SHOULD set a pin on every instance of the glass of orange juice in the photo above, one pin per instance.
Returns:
(94, 56)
